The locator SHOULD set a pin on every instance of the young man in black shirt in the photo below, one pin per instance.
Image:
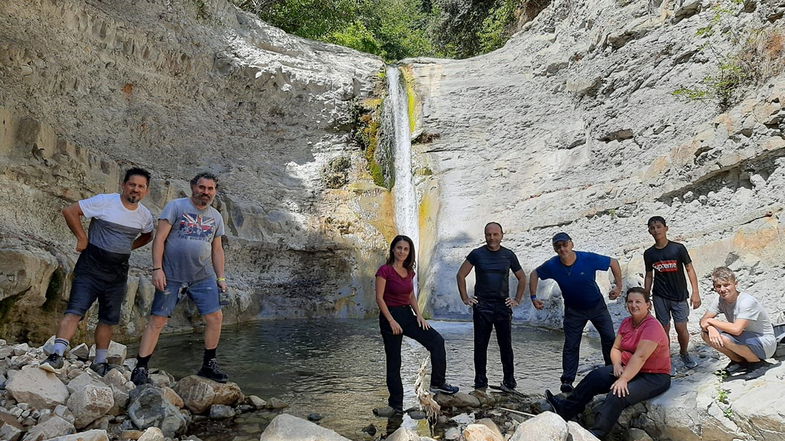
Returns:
(666, 262)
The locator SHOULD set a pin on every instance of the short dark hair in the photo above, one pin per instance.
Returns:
(410, 261)
(493, 223)
(638, 290)
(204, 175)
(654, 219)
(136, 171)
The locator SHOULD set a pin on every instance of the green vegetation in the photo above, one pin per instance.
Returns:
(367, 117)
(397, 29)
(755, 56)
(722, 394)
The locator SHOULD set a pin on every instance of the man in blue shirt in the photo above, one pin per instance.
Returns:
(574, 272)
(491, 303)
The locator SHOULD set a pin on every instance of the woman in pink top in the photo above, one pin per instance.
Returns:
(640, 369)
(399, 315)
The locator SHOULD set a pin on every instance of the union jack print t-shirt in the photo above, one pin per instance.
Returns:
(188, 248)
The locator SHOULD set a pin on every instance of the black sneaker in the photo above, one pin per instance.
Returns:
(445, 388)
(52, 363)
(139, 376)
(566, 388)
(210, 370)
(100, 368)
(510, 390)
(554, 402)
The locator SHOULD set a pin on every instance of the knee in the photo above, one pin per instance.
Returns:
(71, 318)
(157, 323)
(214, 319)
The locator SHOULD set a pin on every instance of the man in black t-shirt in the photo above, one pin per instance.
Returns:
(666, 262)
(491, 303)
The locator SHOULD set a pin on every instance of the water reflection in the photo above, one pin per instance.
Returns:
(336, 367)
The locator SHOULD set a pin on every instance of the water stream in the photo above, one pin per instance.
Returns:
(336, 367)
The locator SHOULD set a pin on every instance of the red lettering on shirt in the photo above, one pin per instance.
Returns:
(666, 266)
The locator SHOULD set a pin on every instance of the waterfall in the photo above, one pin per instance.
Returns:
(406, 212)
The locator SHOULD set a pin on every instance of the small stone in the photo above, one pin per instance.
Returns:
(221, 411)
(313, 416)
(417, 415)
(152, 434)
(257, 402)
(21, 349)
(370, 429)
(275, 403)
(384, 412)
(82, 352)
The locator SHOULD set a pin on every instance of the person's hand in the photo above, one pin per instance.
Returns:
(159, 280)
(222, 286)
(618, 369)
(715, 338)
(396, 328)
(696, 301)
(511, 303)
(81, 244)
(619, 388)
(538, 304)
(470, 301)
(615, 293)
(422, 323)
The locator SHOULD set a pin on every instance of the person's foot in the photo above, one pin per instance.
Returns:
(481, 386)
(566, 388)
(100, 368)
(673, 370)
(445, 388)
(749, 367)
(210, 370)
(139, 376)
(733, 366)
(504, 388)
(688, 361)
(554, 402)
(53, 363)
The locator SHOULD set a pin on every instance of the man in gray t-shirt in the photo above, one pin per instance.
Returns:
(188, 259)
(747, 337)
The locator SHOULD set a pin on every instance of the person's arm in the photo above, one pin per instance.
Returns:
(219, 259)
(381, 283)
(695, 298)
(642, 353)
(421, 322)
(464, 271)
(735, 327)
(73, 218)
(161, 233)
(648, 280)
(142, 240)
(521, 276)
(533, 279)
(616, 270)
(616, 357)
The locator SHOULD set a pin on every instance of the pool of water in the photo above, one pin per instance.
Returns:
(336, 367)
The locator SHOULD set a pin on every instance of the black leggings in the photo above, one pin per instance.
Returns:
(429, 338)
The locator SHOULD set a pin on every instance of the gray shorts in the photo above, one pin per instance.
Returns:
(664, 309)
(749, 339)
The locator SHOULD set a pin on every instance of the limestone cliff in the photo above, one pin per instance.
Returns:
(90, 87)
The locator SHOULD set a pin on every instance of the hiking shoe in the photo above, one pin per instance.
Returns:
(139, 376)
(688, 361)
(445, 388)
(210, 370)
(52, 363)
(100, 368)
(507, 389)
(749, 367)
(566, 388)
(554, 402)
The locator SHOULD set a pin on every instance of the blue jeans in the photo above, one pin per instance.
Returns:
(204, 294)
(574, 322)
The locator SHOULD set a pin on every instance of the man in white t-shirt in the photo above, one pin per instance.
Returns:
(119, 224)
(747, 337)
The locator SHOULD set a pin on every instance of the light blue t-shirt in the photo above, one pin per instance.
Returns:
(188, 248)
(577, 281)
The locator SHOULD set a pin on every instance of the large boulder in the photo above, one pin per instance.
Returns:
(286, 427)
(481, 432)
(546, 426)
(149, 407)
(37, 387)
(199, 393)
(90, 435)
(52, 427)
(90, 403)
(460, 400)
(116, 353)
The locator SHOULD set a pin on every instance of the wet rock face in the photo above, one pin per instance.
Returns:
(178, 91)
(573, 126)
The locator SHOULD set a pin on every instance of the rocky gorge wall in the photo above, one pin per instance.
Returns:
(88, 88)
(574, 126)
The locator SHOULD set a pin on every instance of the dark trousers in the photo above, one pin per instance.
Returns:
(599, 381)
(429, 338)
(487, 316)
(574, 322)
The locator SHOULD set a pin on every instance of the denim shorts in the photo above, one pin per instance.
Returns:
(204, 294)
(103, 276)
(751, 340)
(664, 308)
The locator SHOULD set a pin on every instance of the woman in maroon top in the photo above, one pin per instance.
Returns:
(640, 369)
(399, 315)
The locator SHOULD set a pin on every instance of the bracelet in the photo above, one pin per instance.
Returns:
(534, 297)
(156, 269)
(221, 279)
